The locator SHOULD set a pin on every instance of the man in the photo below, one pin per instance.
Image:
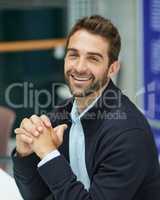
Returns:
(97, 145)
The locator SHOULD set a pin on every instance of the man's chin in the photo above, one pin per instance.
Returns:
(84, 92)
(76, 94)
(81, 93)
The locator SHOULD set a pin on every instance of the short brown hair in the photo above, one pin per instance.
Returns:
(98, 25)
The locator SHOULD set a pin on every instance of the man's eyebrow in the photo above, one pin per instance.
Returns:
(95, 54)
(71, 49)
(89, 53)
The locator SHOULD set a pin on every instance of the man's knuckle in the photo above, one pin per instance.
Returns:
(44, 117)
(21, 137)
(24, 121)
(34, 117)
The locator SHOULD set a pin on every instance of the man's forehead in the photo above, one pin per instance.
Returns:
(88, 42)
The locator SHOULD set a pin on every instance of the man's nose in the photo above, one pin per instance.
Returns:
(81, 65)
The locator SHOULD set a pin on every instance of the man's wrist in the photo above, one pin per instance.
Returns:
(21, 154)
(46, 151)
(48, 157)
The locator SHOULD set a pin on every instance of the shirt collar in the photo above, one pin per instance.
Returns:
(74, 112)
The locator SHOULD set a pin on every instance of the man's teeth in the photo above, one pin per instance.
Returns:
(81, 78)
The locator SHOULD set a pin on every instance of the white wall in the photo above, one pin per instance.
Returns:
(124, 14)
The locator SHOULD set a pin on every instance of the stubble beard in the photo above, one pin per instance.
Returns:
(94, 87)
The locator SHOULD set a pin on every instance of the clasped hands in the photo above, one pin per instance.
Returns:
(36, 134)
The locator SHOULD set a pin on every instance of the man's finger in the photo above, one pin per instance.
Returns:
(55, 139)
(25, 138)
(59, 131)
(64, 126)
(19, 131)
(23, 135)
(36, 120)
(46, 121)
(28, 126)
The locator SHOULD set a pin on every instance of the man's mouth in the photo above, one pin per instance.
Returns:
(81, 78)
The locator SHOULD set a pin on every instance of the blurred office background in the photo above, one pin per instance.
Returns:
(31, 72)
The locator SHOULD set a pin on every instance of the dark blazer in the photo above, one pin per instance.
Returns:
(121, 156)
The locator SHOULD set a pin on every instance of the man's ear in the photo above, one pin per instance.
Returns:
(114, 69)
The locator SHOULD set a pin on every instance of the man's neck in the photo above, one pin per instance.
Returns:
(84, 102)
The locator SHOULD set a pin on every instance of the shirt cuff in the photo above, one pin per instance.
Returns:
(49, 157)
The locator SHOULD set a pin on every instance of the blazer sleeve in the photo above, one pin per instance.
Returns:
(119, 174)
(28, 180)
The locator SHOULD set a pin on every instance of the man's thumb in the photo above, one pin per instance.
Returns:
(59, 130)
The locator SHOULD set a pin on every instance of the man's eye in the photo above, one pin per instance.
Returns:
(94, 59)
(72, 55)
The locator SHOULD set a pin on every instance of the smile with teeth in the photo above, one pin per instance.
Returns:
(81, 78)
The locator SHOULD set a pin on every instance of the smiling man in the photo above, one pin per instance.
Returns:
(102, 147)
(87, 68)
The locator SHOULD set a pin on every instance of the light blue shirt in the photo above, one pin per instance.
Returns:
(76, 146)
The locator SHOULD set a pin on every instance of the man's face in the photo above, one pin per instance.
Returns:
(86, 63)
